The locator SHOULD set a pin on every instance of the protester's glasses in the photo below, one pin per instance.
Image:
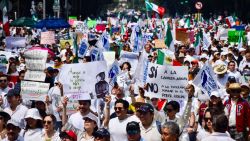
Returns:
(47, 121)
(132, 132)
(206, 119)
(5, 80)
(118, 108)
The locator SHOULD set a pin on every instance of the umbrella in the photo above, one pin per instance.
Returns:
(52, 54)
(23, 21)
(53, 23)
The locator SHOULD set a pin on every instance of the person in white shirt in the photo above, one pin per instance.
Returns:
(16, 110)
(222, 76)
(3, 91)
(33, 129)
(13, 129)
(150, 128)
(233, 72)
(245, 62)
(134, 132)
(220, 124)
(117, 125)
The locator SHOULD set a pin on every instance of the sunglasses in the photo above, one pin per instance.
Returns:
(132, 132)
(46, 121)
(118, 108)
(5, 80)
(206, 119)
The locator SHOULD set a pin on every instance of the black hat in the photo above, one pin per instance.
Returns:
(101, 132)
(133, 128)
(5, 115)
(13, 92)
(146, 108)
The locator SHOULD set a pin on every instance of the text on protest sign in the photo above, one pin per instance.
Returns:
(35, 61)
(167, 82)
(34, 90)
(48, 37)
(80, 81)
(13, 42)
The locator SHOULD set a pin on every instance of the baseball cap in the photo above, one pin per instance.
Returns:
(146, 108)
(70, 134)
(12, 92)
(14, 122)
(133, 128)
(91, 117)
(101, 132)
(215, 93)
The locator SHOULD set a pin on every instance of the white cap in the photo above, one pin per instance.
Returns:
(14, 122)
(33, 113)
(214, 49)
(215, 93)
(242, 49)
(224, 53)
(203, 55)
(92, 117)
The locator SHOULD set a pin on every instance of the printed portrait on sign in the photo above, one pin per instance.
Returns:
(101, 87)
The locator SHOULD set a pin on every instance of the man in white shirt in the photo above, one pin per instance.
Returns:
(150, 128)
(4, 90)
(245, 62)
(16, 110)
(233, 72)
(117, 126)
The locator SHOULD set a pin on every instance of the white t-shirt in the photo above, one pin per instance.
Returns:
(33, 135)
(152, 133)
(77, 121)
(117, 128)
(232, 115)
(19, 114)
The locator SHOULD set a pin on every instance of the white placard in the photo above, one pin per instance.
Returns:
(34, 90)
(13, 42)
(167, 82)
(84, 80)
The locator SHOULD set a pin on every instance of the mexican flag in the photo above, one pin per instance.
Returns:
(153, 7)
(197, 43)
(165, 57)
(6, 26)
(169, 39)
(187, 23)
(230, 21)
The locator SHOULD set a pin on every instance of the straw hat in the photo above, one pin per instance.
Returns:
(220, 69)
(234, 86)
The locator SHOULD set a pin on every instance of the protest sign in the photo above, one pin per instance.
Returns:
(34, 90)
(159, 43)
(233, 36)
(83, 49)
(14, 42)
(109, 57)
(205, 79)
(182, 36)
(79, 26)
(35, 61)
(167, 82)
(62, 43)
(84, 80)
(113, 72)
(123, 80)
(48, 37)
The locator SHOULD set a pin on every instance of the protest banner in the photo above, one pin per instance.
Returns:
(146, 37)
(48, 37)
(62, 43)
(167, 82)
(234, 35)
(159, 43)
(34, 90)
(205, 79)
(14, 42)
(123, 80)
(83, 49)
(182, 36)
(109, 57)
(84, 80)
(35, 61)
